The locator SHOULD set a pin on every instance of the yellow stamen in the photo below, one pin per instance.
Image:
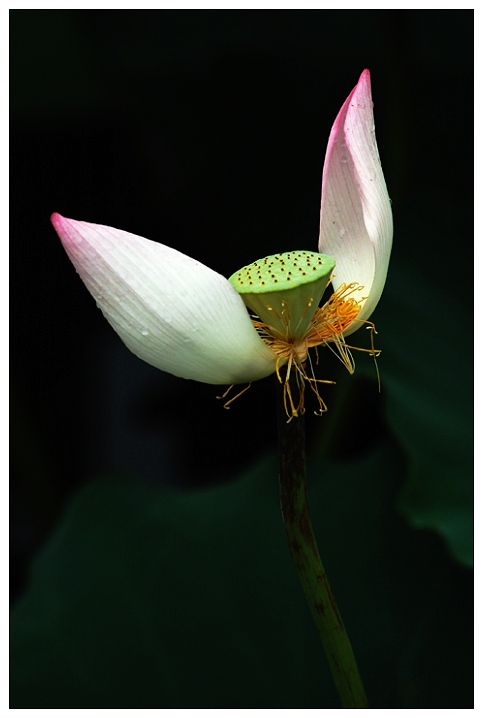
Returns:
(326, 328)
(223, 396)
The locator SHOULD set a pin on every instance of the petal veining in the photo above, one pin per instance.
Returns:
(356, 218)
(170, 310)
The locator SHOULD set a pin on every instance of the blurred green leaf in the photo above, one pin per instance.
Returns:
(427, 367)
(146, 599)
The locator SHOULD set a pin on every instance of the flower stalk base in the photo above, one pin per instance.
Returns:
(305, 553)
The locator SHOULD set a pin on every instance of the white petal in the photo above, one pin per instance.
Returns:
(356, 219)
(170, 310)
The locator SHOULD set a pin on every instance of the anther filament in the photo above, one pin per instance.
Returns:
(325, 329)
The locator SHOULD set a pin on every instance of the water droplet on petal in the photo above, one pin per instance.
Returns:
(343, 158)
(342, 231)
(144, 332)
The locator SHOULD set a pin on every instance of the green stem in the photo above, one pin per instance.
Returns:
(303, 546)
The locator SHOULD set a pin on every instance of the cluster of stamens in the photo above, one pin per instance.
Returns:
(283, 292)
(326, 329)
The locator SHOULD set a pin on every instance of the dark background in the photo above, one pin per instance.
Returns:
(206, 130)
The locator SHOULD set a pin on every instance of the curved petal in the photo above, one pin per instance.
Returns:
(170, 310)
(356, 219)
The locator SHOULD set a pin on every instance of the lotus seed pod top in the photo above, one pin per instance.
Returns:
(285, 290)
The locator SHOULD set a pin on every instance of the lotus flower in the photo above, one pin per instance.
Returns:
(182, 317)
